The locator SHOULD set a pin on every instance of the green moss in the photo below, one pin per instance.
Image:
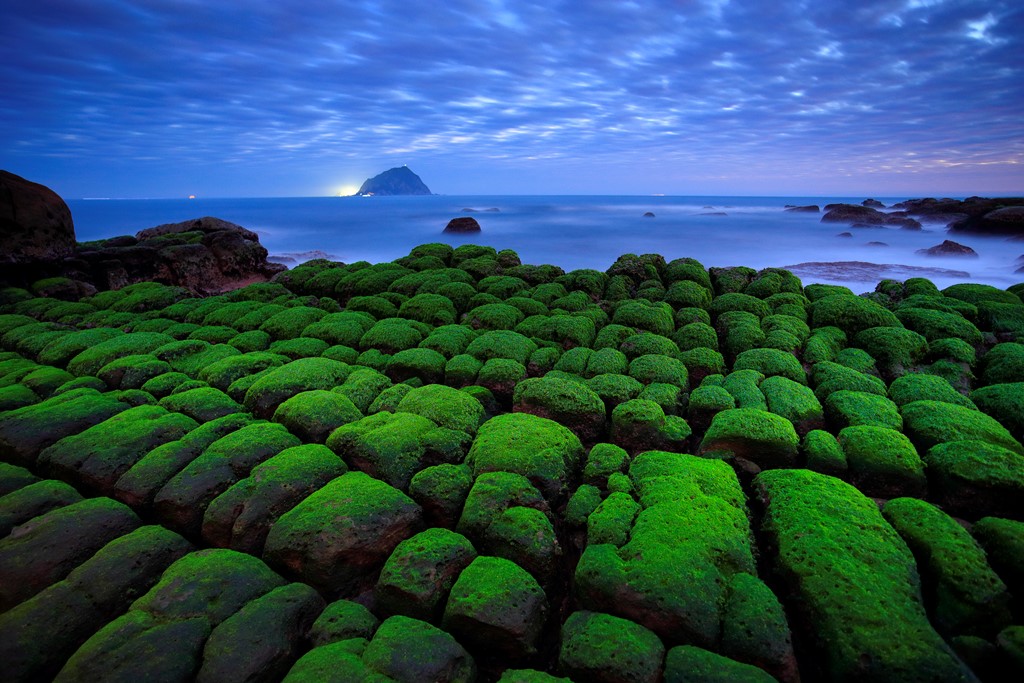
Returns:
(581, 504)
(441, 491)
(850, 313)
(688, 294)
(342, 620)
(1005, 403)
(603, 460)
(739, 331)
(202, 404)
(445, 406)
(734, 301)
(300, 347)
(793, 401)
(828, 377)
(919, 387)
(975, 294)
(882, 462)
(389, 399)
(939, 325)
(771, 362)
(462, 370)
(695, 335)
(391, 446)
(759, 436)
(1003, 542)
(213, 334)
(822, 453)
(525, 536)
(598, 646)
(392, 335)
(962, 593)
(313, 415)
(448, 340)
(97, 354)
(648, 343)
(615, 389)
(425, 364)
(974, 478)
(405, 649)
(929, 423)
(572, 404)
(574, 361)
(281, 383)
(502, 344)
(612, 520)
(852, 574)
(690, 664)
(657, 318)
(501, 376)
(420, 572)
(343, 533)
(847, 408)
(640, 425)
(1004, 363)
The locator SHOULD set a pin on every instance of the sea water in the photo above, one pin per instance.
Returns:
(570, 231)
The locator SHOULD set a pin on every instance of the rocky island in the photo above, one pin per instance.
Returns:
(393, 182)
(457, 466)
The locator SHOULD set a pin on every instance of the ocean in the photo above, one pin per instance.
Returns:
(575, 231)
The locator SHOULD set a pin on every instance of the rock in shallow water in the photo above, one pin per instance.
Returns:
(462, 224)
(949, 248)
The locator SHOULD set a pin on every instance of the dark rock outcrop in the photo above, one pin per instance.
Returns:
(876, 244)
(873, 203)
(845, 234)
(394, 182)
(206, 255)
(463, 224)
(810, 208)
(865, 216)
(35, 223)
(648, 214)
(949, 248)
(1008, 220)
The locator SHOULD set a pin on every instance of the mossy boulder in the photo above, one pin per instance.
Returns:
(851, 314)
(202, 404)
(343, 620)
(1004, 363)
(612, 520)
(921, 387)
(755, 629)
(45, 549)
(313, 415)
(426, 365)
(432, 309)
(974, 478)
(962, 593)
(182, 501)
(929, 423)
(97, 457)
(640, 425)
(571, 404)
(603, 647)
(822, 453)
(409, 650)
(882, 462)
(756, 435)
(855, 587)
(651, 368)
(490, 495)
(656, 318)
(96, 355)
(934, 325)
(445, 406)
(281, 383)
(526, 536)
(502, 344)
(845, 408)
(896, 350)
(338, 538)
(793, 401)
(441, 491)
(828, 377)
(42, 632)
(419, 574)
(540, 449)
(1004, 402)
(691, 664)
(241, 517)
(131, 372)
(1003, 543)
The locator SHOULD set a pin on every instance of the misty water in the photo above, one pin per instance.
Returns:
(571, 232)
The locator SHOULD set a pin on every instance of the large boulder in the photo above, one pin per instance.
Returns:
(1008, 220)
(35, 223)
(951, 248)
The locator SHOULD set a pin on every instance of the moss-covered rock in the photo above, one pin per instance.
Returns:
(96, 355)
(491, 494)
(1003, 542)
(339, 537)
(45, 549)
(241, 517)
(920, 387)
(962, 593)
(342, 620)
(640, 425)
(828, 377)
(882, 462)
(182, 501)
(855, 587)
(525, 536)
(851, 314)
(690, 664)
(793, 401)
(263, 638)
(496, 606)
(939, 325)
(1004, 402)
(420, 572)
(975, 478)
(445, 406)
(761, 437)
(845, 408)
(603, 647)
(571, 404)
(408, 650)
(929, 423)
(201, 404)
(283, 382)
(502, 344)
(97, 457)
(441, 491)
(313, 415)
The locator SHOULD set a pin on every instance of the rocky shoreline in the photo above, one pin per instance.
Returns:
(457, 466)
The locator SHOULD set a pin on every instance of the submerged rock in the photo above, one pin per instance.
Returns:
(948, 248)
(810, 208)
(861, 270)
(462, 224)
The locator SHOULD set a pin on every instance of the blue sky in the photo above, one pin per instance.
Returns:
(165, 98)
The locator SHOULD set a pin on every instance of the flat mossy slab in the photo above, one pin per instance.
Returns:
(241, 517)
(39, 635)
(182, 501)
(756, 435)
(882, 462)
(97, 457)
(541, 450)
(976, 479)
(690, 664)
(854, 584)
(262, 639)
(690, 536)
(37, 498)
(408, 650)
(144, 479)
(45, 549)
(964, 596)
(25, 432)
(313, 415)
(496, 606)
(420, 572)
(603, 647)
(929, 423)
(340, 536)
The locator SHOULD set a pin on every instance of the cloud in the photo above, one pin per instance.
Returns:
(285, 91)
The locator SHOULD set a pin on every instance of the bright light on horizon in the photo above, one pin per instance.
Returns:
(347, 190)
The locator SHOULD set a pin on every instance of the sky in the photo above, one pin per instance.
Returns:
(167, 98)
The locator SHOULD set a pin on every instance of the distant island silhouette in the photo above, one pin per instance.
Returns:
(393, 182)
